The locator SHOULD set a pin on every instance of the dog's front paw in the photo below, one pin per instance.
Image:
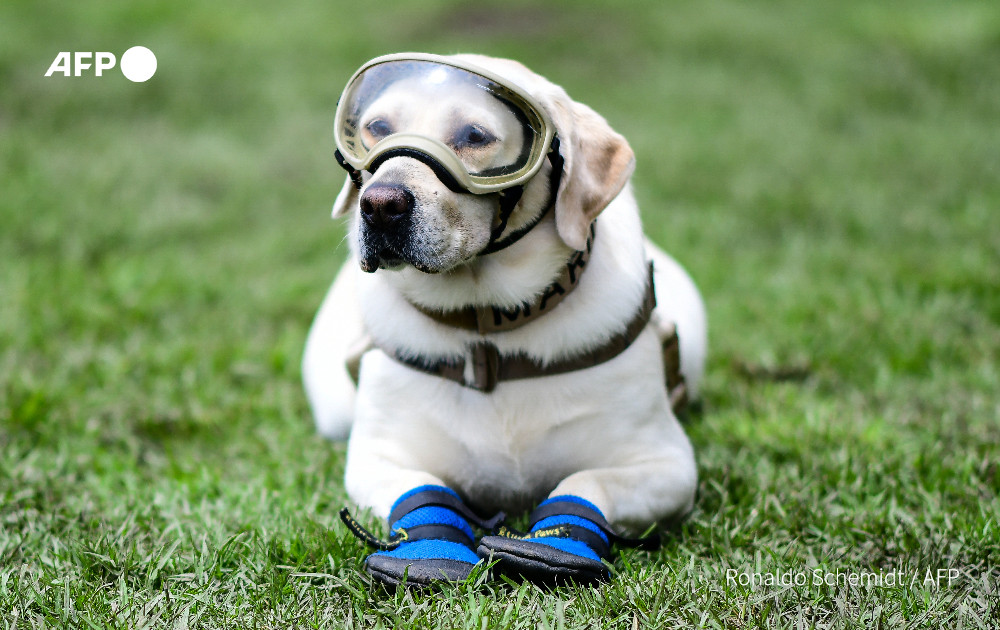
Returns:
(432, 540)
(569, 541)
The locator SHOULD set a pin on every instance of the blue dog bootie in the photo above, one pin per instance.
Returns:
(567, 542)
(432, 540)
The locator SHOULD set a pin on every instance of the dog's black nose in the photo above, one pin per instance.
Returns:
(382, 206)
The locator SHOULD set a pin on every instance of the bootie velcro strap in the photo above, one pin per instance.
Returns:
(439, 496)
(572, 506)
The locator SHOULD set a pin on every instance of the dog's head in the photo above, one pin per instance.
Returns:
(407, 213)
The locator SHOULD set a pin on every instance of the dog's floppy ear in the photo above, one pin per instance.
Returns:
(598, 164)
(346, 200)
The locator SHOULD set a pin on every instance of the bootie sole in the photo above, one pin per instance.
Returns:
(539, 563)
(417, 572)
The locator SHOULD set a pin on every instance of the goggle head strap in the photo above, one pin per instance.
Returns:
(507, 205)
(352, 172)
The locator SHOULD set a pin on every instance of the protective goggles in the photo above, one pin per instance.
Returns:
(478, 132)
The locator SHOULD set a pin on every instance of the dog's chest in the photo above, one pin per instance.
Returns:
(513, 445)
(512, 449)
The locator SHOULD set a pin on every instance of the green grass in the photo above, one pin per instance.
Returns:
(829, 173)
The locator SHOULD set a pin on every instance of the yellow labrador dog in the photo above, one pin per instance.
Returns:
(492, 344)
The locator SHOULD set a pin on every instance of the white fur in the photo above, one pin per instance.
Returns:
(605, 433)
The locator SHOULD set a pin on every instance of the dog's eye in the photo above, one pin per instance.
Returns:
(379, 128)
(472, 136)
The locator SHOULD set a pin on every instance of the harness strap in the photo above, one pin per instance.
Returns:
(676, 383)
(490, 368)
(489, 319)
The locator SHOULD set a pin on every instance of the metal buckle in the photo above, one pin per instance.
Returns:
(485, 360)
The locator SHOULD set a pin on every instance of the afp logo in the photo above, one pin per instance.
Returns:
(138, 64)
